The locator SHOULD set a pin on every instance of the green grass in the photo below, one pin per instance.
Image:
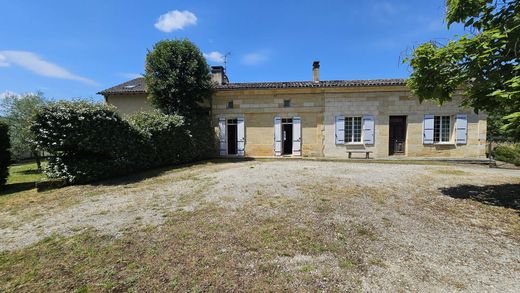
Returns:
(22, 177)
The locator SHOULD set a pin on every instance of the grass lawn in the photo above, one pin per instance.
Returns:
(242, 226)
(22, 177)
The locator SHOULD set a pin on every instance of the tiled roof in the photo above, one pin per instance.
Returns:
(312, 84)
(134, 86)
(137, 85)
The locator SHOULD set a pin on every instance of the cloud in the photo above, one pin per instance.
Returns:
(175, 20)
(215, 57)
(130, 75)
(384, 8)
(36, 64)
(255, 58)
(3, 61)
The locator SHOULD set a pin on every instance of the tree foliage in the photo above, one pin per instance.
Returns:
(19, 111)
(5, 155)
(483, 62)
(177, 77)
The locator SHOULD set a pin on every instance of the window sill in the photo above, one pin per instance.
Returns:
(444, 143)
(354, 143)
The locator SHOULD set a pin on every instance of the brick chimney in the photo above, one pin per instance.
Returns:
(218, 75)
(316, 71)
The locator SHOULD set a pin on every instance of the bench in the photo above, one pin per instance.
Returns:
(367, 153)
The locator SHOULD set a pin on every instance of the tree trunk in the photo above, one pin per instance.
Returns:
(38, 160)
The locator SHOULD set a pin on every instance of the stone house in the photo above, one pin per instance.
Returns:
(333, 118)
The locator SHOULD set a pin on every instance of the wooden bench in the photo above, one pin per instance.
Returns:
(367, 153)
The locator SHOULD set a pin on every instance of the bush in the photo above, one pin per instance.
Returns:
(508, 153)
(5, 155)
(89, 142)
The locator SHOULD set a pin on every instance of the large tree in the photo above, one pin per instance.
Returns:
(484, 62)
(177, 77)
(19, 111)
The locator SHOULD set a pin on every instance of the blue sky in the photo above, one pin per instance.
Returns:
(70, 49)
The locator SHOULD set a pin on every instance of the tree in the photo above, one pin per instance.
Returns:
(5, 156)
(19, 113)
(177, 77)
(484, 62)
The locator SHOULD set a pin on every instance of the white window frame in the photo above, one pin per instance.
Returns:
(441, 128)
(350, 140)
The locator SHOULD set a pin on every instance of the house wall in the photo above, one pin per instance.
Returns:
(259, 109)
(129, 103)
(317, 108)
(382, 104)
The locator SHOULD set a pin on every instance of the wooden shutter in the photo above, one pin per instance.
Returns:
(297, 136)
(428, 129)
(368, 129)
(461, 125)
(222, 136)
(340, 130)
(277, 136)
(241, 138)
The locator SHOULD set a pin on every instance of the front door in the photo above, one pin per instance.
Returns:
(232, 137)
(287, 136)
(396, 145)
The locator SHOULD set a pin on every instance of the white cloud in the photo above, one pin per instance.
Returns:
(384, 8)
(175, 20)
(3, 61)
(36, 64)
(255, 58)
(130, 75)
(215, 57)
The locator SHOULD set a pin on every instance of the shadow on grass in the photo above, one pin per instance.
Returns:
(503, 195)
(143, 175)
(16, 187)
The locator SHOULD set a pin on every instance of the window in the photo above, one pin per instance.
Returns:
(232, 121)
(229, 105)
(286, 103)
(352, 129)
(286, 120)
(441, 129)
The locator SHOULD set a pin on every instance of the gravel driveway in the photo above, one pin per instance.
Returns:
(418, 227)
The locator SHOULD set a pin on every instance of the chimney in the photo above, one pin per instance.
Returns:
(316, 71)
(218, 75)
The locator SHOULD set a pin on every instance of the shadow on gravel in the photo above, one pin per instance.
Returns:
(140, 176)
(503, 195)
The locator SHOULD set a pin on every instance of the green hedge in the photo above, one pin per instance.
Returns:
(89, 142)
(5, 155)
(508, 153)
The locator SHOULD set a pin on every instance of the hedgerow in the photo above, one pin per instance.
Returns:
(90, 142)
(5, 155)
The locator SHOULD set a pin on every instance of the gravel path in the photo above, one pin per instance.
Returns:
(424, 237)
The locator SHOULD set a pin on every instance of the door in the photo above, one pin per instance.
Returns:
(397, 135)
(287, 136)
(232, 137)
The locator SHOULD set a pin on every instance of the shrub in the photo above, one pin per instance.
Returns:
(89, 142)
(168, 135)
(508, 153)
(5, 155)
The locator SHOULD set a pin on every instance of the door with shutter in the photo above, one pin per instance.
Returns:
(462, 129)
(241, 139)
(340, 130)
(428, 123)
(222, 136)
(297, 137)
(277, 136)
